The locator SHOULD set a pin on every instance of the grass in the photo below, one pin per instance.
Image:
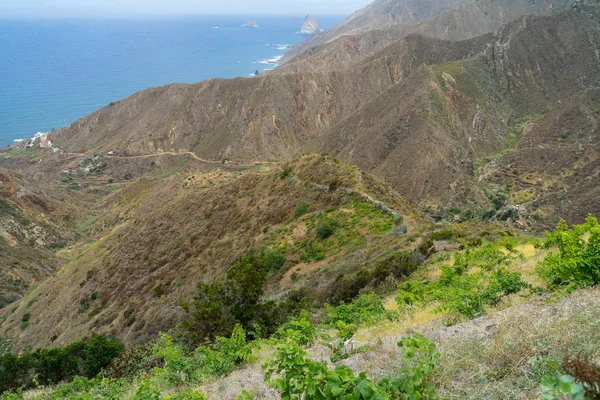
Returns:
(515, 130)
(530, 341)
(349, 226)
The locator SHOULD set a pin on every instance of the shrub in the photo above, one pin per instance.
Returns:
(299, 377)
(301, 209)
(178, 369)
(560, 385)
(51, 366)
(300, 329)
(367, 309)
(285, 173)
(273, 259)
(577, 263)
(400, 229)
(398, 219)
(312, 252)
(503, 283)
(220, 358)
(399, 265)
(326, 227)
(442, 235)
(218, 307)
(99, 352)
(147, 390)
(586, 373)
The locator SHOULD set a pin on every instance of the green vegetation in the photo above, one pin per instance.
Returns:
(219, 307)
(367, 310)
(326, 227)
(296, 376)
(301, 209)
(515, 130)
(229, 322)
(330, 232)
(577, 263)
(25, 320)
(51, 366)
(477, 278)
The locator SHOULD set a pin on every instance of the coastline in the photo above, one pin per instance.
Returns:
(60, 84)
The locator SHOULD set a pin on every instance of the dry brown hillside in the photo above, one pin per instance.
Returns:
(419, 113)
(378, 25)
(36, 221)
(162, 236)
(426, 134)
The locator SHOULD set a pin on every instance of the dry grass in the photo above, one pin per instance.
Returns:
(505, 355)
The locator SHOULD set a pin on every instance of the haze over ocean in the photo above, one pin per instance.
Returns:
(54, 72)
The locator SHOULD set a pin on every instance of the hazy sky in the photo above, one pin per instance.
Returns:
(134, 8)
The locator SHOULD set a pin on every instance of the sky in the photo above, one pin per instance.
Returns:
(142, 8)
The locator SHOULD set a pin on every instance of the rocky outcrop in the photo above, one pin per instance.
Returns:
(311, 26)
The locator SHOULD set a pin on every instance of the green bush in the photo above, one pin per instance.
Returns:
(218, 307)
(301, 210)
(51, 366)
(299, 377)
(503, 283)
(326, 227)
(464, 293)
(273, 259)
(222, 357)
(368, 309)
(577, 263)
(300, 329)
(147, 390)
(98, 353)
(559, 386)
(442, 235)
(178, 367)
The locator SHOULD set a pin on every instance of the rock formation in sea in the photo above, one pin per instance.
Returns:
(311, 26)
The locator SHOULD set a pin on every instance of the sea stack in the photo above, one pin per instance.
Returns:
(250, 24)
(311, 26)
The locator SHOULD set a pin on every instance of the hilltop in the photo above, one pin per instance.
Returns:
(160, 237)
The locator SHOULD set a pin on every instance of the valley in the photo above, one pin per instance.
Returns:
(412, 194)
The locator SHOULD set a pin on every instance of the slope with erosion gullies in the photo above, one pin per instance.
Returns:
(550, 161)
(177, 231)
(425, 133)
(458, 22)
(376, 16)
(464, 109)
(267, 117)
(36, 221)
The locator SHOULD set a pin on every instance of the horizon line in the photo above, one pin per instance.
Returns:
(160, 16)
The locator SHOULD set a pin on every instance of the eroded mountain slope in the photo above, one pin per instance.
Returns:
(174, 232)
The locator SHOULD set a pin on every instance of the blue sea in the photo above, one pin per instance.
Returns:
(54, 72)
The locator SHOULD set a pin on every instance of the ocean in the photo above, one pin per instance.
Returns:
(54, 72)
